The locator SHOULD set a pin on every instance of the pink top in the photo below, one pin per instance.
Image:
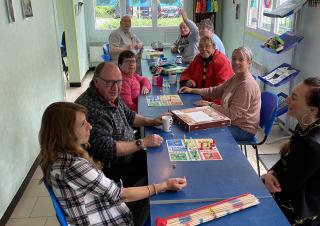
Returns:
(241, 101)
(131, 89)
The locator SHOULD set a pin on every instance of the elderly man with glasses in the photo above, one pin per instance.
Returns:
(112, 139)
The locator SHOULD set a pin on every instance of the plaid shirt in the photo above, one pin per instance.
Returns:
(86, 195)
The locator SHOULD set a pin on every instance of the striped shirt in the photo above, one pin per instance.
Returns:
(86, 196)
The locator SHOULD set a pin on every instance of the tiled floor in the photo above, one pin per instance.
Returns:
(35, 207)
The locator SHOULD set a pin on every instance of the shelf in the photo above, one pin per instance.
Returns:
(282, 104)
(280, 75)
(290, 40)
(286, 9)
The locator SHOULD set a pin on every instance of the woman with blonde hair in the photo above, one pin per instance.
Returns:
(85, 194)
(240, 94)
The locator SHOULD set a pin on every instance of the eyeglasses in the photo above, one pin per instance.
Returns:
(128, 61)
(111, 83)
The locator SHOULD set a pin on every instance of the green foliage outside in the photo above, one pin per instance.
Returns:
(111, 23)
(104, 11)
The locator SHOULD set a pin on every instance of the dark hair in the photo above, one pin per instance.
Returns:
(125, 55)
(313, 98)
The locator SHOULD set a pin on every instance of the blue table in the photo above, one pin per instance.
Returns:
(207, 180)
(265, 214)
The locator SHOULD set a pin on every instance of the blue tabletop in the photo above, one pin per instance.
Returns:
(264, 214)
(207, 180)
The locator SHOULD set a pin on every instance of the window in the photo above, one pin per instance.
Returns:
(266, 25)
(144, 13)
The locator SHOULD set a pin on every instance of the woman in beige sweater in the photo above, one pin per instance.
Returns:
(241, 97)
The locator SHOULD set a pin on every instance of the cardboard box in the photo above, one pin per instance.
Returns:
(200, 118)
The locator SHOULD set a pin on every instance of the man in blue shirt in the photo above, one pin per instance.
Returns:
(206, 29)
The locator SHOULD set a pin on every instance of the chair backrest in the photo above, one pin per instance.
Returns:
(59, 212)
(268, 112)
(106, 55)
(63, 47)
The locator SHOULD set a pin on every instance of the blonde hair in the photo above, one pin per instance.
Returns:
(245, 52)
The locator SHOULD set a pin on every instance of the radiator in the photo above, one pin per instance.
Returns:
(95, 52)
(257, 68)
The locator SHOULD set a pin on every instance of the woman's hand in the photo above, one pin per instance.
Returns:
(271, 182)
(190, 83)
(201, 103)
(176, 184)
(174, 49)
(185, 89)
(144, 90)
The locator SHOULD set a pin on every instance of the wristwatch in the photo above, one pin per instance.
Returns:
(140, 145)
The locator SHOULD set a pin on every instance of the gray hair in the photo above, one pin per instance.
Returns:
(245, 51)
(206, 23)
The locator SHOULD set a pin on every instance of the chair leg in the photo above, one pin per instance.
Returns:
(245, 151)
(257, 158)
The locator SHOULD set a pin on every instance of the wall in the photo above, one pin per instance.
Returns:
(76, 41)
(30, 79)
(308, 51)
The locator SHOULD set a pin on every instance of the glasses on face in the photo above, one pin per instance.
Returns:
(130, 61)
(111, 83)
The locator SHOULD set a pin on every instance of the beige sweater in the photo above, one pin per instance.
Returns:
(241, 101)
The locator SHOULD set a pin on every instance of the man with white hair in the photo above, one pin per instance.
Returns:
(123, 39)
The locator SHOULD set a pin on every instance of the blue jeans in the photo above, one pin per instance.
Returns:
(239, 134)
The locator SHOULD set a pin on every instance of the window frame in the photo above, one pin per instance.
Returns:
(152, 28)
(274, 21)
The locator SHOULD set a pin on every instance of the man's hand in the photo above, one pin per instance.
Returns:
(153, 140)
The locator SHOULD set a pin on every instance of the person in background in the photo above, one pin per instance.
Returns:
(133, 84)
(113, 138)
(206, 29)
(85, 194)
(294, 180)
(188, 40)
(123, 39)
(240, 94)
(209, 68)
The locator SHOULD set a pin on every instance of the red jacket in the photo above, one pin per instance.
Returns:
(219, 70)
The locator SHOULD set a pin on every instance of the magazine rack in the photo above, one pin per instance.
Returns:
(291, 40)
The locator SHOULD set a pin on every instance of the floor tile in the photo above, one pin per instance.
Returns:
(24, 207)
(37, 174)
(34, 189)
(43, 207)
(52, 221)
(27, 222)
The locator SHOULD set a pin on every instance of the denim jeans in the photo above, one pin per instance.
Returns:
(239, 134)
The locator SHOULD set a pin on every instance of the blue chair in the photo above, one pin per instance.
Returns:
(106, 55)
(268, 113)
(59, 212)
(63, 51)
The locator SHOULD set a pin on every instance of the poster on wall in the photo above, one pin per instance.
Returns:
(10, 11)
(26, 8)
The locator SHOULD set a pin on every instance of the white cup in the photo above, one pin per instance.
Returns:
(167, 123)
(173, 79)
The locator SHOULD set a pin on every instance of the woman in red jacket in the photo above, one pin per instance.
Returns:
(209, 68)
(133, 84)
